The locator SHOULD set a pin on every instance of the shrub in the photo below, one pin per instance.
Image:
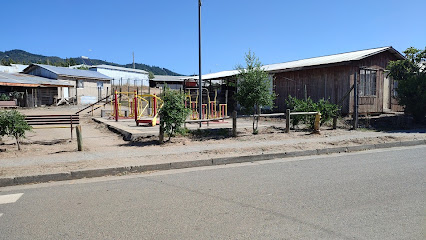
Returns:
(13, 124)
(4, 97)
(173, 113)
(328, 110)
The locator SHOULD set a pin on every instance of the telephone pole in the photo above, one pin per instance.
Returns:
(133, 60)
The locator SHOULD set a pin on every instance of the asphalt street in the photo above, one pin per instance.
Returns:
(377, 194)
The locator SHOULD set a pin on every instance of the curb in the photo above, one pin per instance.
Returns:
(92, 173)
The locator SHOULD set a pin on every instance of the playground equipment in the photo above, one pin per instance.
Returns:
(138, 107)
(210, 110)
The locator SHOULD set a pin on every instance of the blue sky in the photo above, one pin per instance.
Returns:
(165, 32)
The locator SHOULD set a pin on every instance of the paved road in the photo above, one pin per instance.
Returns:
(369, 195)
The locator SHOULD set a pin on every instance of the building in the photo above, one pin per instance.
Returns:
(88, 86)
(332, 77)
(32, 91)
(173, 82)
(123, 76)
(13, 68)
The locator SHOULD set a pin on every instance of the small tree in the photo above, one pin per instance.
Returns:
(173, 113)
(151, 75)
(410, 74)
(253, 88)
(13, 124)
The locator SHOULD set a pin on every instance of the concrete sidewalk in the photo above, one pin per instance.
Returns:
(75, 165)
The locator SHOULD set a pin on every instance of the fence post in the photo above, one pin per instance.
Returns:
(79, 138)
(355, 117)
(71, 125)
(234, 123)
(287, 121)
(335, 122)
(317, 123)
(116, 106)
(161, 135)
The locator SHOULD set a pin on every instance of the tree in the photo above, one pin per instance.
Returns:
(173, 113)
(410, 75)
(13, 124)
(151, 75)
(253, 88)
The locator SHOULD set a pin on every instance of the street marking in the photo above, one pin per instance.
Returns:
(11, 198)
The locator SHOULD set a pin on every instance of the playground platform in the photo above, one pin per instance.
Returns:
(128, 129)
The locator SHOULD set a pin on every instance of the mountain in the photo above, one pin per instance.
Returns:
(23, 57)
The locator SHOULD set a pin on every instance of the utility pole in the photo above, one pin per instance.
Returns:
(133, 60)
(200, 89)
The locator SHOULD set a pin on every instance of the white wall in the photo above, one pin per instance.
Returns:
(116, 74)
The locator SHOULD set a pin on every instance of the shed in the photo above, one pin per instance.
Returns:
(173, 82)
(33, 90)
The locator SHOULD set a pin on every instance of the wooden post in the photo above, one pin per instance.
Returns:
(335, 122)
(79, 138)
(317, 123)
(135, 104)
(116, 106)
(234, 123)
(355, 117)
(161, 135)
(287, 121)
(71, 125)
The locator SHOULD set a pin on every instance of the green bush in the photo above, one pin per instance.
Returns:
(13, 124)
(173, 113)
(328, 110)
(4, 97)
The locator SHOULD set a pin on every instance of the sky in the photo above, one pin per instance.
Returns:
(165, 32)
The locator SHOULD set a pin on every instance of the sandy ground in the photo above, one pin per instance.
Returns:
(52, 150)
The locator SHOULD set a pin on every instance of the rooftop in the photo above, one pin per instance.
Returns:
(26, 80)
(104, 66)
(69, 72)
(309, 62)
(167, 78)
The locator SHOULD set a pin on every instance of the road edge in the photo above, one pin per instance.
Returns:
(92, 173)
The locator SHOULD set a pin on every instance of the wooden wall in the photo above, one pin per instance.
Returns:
(327, 82)
(333, 82)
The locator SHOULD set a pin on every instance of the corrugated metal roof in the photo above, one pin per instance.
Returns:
(167, 78)
(104, 66)
(73, 72)
(216, 75)
(13, 68)
(30, 80)
(310, 62)
(330, 59)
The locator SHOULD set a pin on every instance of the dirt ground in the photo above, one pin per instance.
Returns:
(108, 149)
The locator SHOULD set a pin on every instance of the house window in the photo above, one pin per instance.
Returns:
(395, 89)
(100, 84)
(367, 85)
(80, 84)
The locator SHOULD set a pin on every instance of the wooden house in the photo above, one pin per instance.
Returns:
(332, 77)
